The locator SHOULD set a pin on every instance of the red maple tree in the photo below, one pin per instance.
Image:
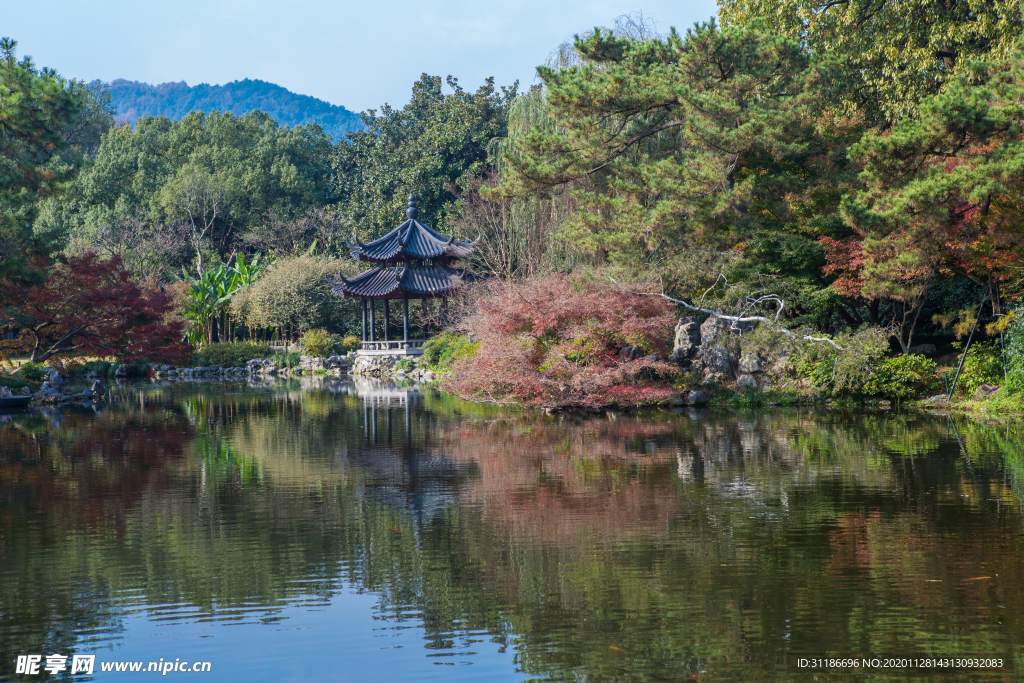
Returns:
(90, 306)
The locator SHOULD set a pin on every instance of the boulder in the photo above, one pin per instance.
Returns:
(121, 371)
(687, 341)
(54, 380)
(97, 388)
(922, 349)
(750, 364)
(711, 329)
(986, 391)
(696, 398)
(628, 353)
(26, 391)
(715, 360)
(746, 381)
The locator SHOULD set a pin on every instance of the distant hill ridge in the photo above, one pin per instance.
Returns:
(174, 100)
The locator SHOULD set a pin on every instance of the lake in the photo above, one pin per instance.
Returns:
(325, 530)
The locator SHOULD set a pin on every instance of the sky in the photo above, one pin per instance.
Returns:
(358, 55)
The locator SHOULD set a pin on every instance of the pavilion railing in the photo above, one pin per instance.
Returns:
(393, 345)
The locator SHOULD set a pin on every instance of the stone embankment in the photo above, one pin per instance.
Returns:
(393, 367)
(382, 367)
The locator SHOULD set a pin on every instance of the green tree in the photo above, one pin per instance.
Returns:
(37, 107)
(712, 139)
(208, 179)
(433, 148)
(891, 53)
(941, 192)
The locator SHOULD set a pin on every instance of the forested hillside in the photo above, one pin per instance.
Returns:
(174, 100)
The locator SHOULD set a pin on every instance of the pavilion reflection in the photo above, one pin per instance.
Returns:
(402, 452)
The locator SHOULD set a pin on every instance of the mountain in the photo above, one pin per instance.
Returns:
(173, 100)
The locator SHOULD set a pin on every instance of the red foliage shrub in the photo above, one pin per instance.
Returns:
(92, 306)
(554, 341)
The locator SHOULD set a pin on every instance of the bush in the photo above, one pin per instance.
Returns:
(554, 341)
(351, 343)
(320, 343)
(16, 382)
(101, 368)
(983, 365)
(295, 291)
(901, 377)
(846, 370)
(231, 354)
(34, 372)
(405, 365)
(286, 360)
(442, 351)
(1013, 344)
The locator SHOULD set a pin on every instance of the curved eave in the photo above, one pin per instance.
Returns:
(412, 239)
(383, 282)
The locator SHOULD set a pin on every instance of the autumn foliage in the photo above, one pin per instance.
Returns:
(90, 306)
(555, 341)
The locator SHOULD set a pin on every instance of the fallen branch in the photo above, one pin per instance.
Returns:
(747, 318)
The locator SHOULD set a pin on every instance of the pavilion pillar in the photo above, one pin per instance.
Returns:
(387, 317)
(373, 324)
(405, 319)
(364, 319)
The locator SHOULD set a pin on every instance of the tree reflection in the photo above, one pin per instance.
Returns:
(642, 547)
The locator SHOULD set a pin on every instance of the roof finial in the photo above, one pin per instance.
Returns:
(412, 211)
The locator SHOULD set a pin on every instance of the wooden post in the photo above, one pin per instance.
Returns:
(373, 323)
(387, 317)
(364, 319)
(405, 319)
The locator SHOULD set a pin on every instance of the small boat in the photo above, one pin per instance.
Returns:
(14, 401)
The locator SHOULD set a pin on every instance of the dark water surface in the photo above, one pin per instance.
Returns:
(339, 532)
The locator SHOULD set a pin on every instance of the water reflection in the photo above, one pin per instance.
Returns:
(629, 547)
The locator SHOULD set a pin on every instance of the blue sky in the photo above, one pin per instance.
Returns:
(358, 55)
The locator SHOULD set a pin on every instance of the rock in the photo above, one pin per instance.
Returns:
(986, 391)
(26, 391)
(166, 368)
(677, 401)
(628, 353)
(922, 349)
(647, 373)
(746, 381)
(715, 360)
(652, 357)
(937, 398)
(54, 380)
(687, 341)
(750, 365)
(696, 398)
(711, 329)
(97, 388)
(121, 371)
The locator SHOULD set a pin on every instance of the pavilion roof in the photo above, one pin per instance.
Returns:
(413, 239)
(394, 282)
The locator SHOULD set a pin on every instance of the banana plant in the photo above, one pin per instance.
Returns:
(210, 295)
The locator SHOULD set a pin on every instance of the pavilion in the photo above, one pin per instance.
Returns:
(413, 261)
